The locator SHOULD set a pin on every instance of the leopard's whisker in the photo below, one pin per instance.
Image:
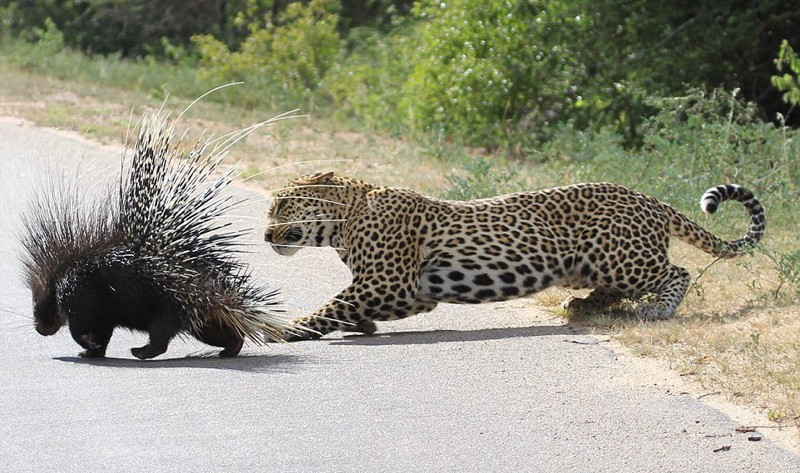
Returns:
(307, 186)
(297, 163)
(225, 142)
(293, 222)
(286, 245)
(315, 199)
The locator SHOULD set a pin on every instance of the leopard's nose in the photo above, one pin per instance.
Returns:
(268, 236)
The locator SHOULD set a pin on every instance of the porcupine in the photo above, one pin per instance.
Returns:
(151, 254)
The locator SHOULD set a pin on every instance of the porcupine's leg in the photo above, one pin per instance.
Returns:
(95, 341)
(89, 324)
(221, 337)
(161, 331)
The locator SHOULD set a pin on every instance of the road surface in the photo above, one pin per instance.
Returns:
(495, 387)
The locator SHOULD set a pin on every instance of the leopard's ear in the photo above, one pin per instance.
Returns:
(319, 178)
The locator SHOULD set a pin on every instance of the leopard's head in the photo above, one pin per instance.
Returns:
(308, 212)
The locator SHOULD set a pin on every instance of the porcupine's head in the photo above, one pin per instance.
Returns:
(59, 227)
(310, 212)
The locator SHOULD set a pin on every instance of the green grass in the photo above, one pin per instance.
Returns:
(154, 79)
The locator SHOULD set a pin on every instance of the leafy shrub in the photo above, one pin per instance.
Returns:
(49, 39)
(366, 84)
(788, 81)
(789, 269)
(42, 53)
(483, 67)
(49, 56)
(132, 28)
(286, 57)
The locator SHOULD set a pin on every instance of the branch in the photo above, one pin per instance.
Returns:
(640, 54)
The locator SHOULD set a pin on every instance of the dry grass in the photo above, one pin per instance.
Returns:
(753, 359)
(731, 333)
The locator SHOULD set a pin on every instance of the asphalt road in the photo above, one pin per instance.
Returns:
(495, 387)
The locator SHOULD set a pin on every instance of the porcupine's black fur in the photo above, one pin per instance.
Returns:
(151, 255)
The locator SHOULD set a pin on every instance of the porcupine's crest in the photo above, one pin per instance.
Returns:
(59, 227)
(172, 210)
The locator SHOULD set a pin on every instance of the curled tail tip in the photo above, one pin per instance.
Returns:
(708, 206)
(714, 196)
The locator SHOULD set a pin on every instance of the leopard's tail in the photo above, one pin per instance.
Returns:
(692, 233)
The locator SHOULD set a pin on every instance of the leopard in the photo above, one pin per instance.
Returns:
(408, 252)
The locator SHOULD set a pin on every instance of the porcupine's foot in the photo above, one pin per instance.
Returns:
(148, 351)
(230, 352)
(161, 330)
(93, 348)
(99, 352)
(220, 337)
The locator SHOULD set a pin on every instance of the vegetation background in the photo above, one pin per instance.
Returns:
(468, 98)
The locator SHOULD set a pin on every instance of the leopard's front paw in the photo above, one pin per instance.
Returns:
(367, 327)
(300, 335)
(314, 327)
(301, 329)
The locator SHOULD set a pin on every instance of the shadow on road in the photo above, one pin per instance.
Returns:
(249, 363)
(449, 336)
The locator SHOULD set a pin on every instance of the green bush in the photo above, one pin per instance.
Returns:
(134, 28)
(787, 83)
(485, 68)
(49, 56)
(366, 85)
(500, 72)
(788, 265)
(285, 59)
(493, 73)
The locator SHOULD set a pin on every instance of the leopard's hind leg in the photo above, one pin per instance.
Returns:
(669, 292)
(597, 300)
